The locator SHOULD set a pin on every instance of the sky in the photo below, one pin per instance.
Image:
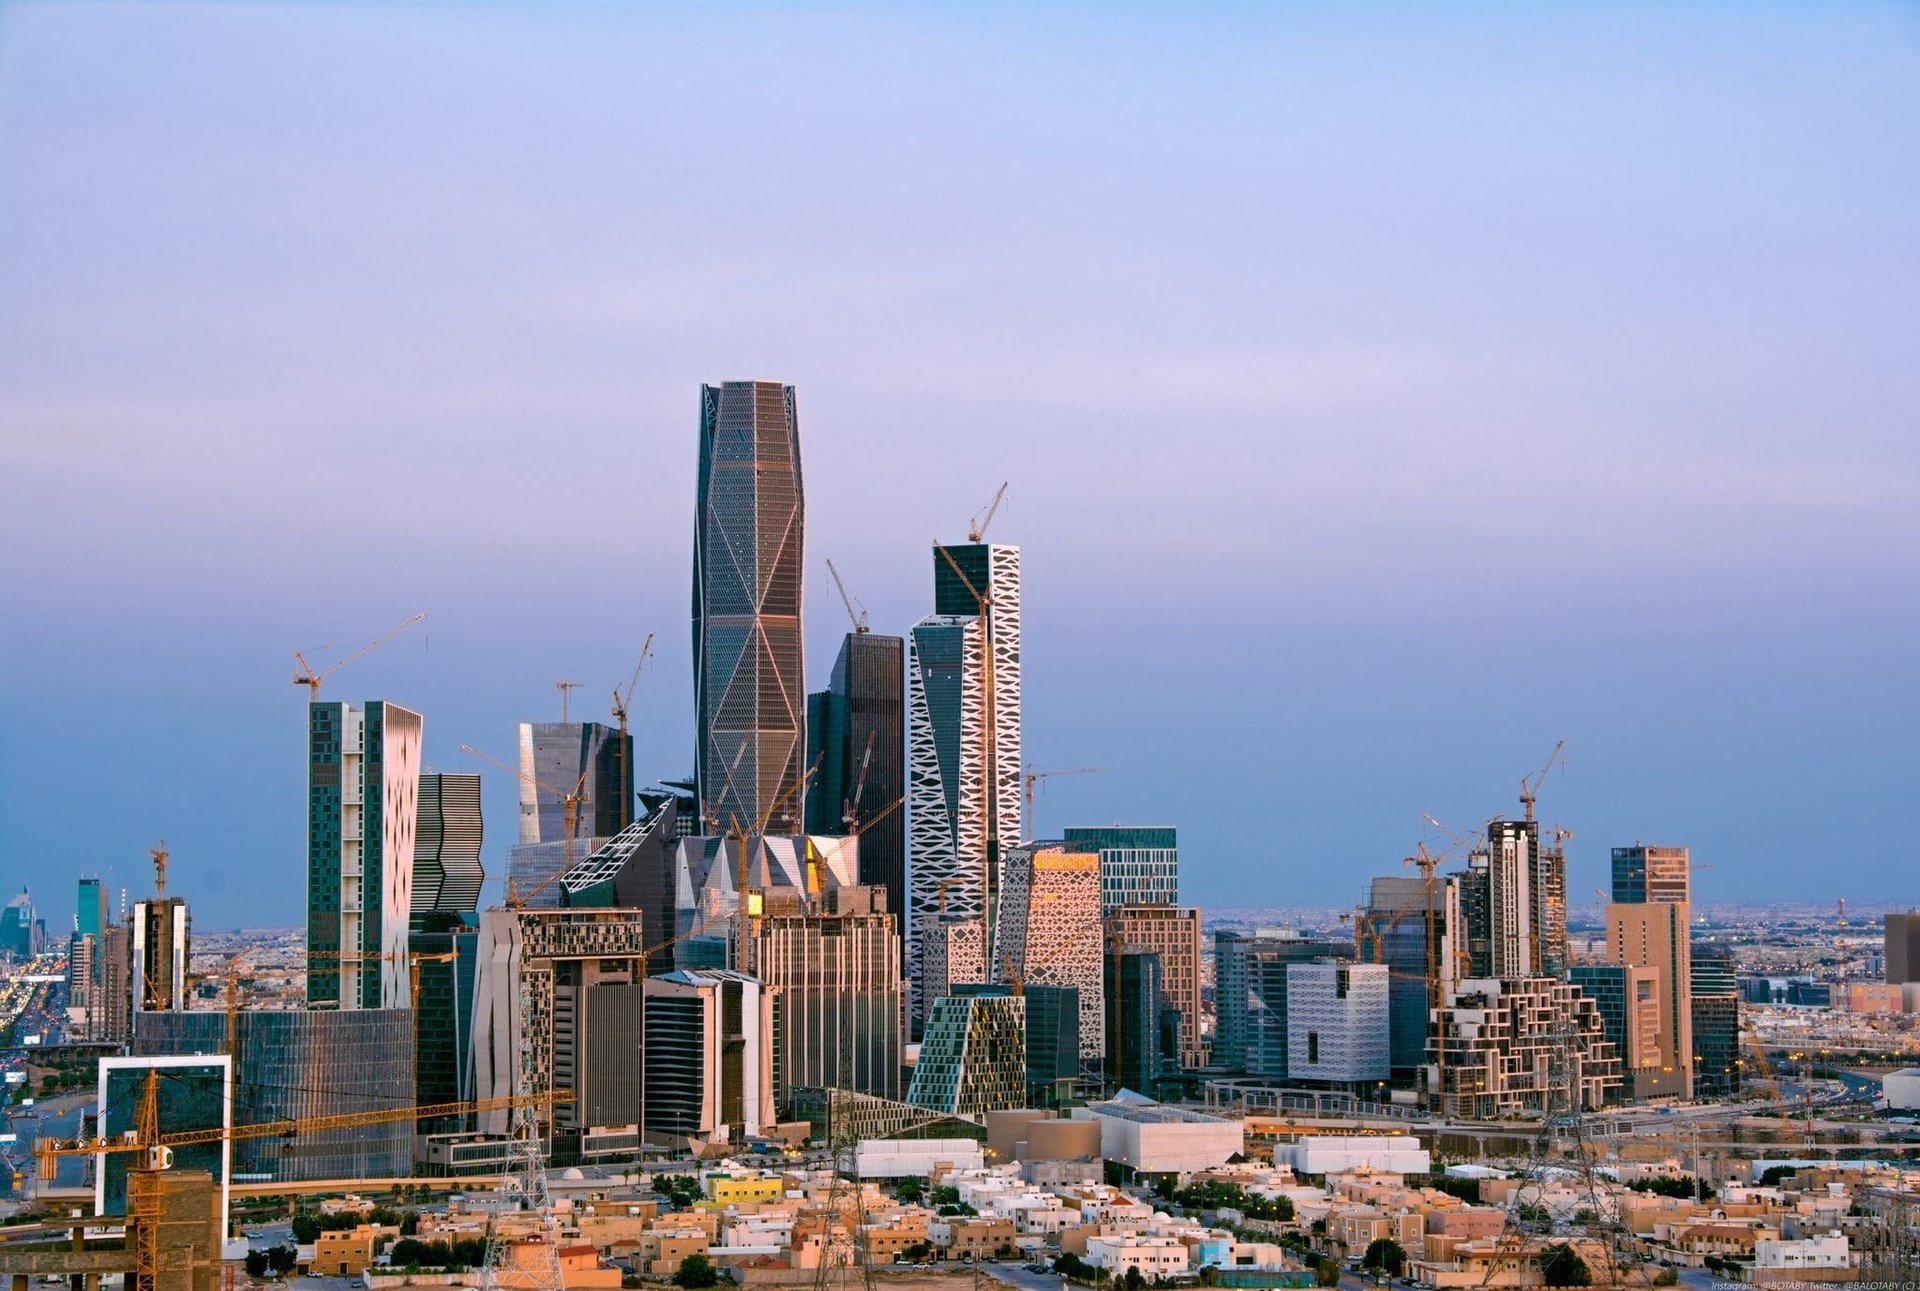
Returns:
(1385, 393)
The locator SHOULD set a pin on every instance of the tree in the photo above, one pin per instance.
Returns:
(1133, 1280)
(1561, 1266)
(1325, 1272)
(910, 1189)
(695, 1271)
(281, 1259)
(256, 1264)
(1385, 1254)
(1070, 1265)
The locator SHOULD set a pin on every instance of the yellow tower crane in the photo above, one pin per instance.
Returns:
(311, 679)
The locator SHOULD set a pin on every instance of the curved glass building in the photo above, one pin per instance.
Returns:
(299, 1064)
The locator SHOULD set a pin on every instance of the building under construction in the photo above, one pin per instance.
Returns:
(1506, 1047)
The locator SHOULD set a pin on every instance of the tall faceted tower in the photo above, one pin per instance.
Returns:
(963, 738)
(363, 790)
(750, 695)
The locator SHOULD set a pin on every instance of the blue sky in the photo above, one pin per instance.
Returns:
(1387, 392)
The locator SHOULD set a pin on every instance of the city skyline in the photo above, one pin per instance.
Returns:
(1274, 524)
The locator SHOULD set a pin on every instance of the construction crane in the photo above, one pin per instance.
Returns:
(853, 832)
(850, 809)
(622, 700)
(977, 528)
(1034, 779)
(747, 905)
(570, 803)
(1530, 785)
(566, 689)
(160, 854)
(859, 616)
(311, 680)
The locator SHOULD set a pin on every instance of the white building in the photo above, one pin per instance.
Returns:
(1825, 1252)
(1155, 1257)
(914, 1158)
(1902, 1089)
(1157, 1139)
(1337, 1027)
(1323, 1154)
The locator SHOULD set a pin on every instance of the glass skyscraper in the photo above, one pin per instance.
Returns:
(860, 720)
(749, 543)
(1139, 864)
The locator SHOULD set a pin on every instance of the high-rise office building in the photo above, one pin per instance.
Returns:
(1716, 1020)
(857, 736)
(963, 737)
(709, 1046)
(1250, 996)
(1629, 1002)
(1903, 948)
(446, 846)
(1656, 936)
(1139, 864)
(1135, 1002)
(1338, 1024)
(1173, 933)
(833, 962)
(363, 786)
(90, 912)
(161, 951)
(17, 924)
(1048, 929)
(634, 870)
(748, 562)
(1645, 875)
(973, 1059)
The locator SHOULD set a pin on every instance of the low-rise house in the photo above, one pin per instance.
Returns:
(1155, 1257)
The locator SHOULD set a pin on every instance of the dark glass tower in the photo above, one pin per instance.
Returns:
(749, 538)
(861, 719)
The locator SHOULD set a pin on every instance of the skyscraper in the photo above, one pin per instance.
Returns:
(1656, 937)
(963, 737)
(446, 846)
(749, 541)
(856, 734)
(363, 786)
(90, 911)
